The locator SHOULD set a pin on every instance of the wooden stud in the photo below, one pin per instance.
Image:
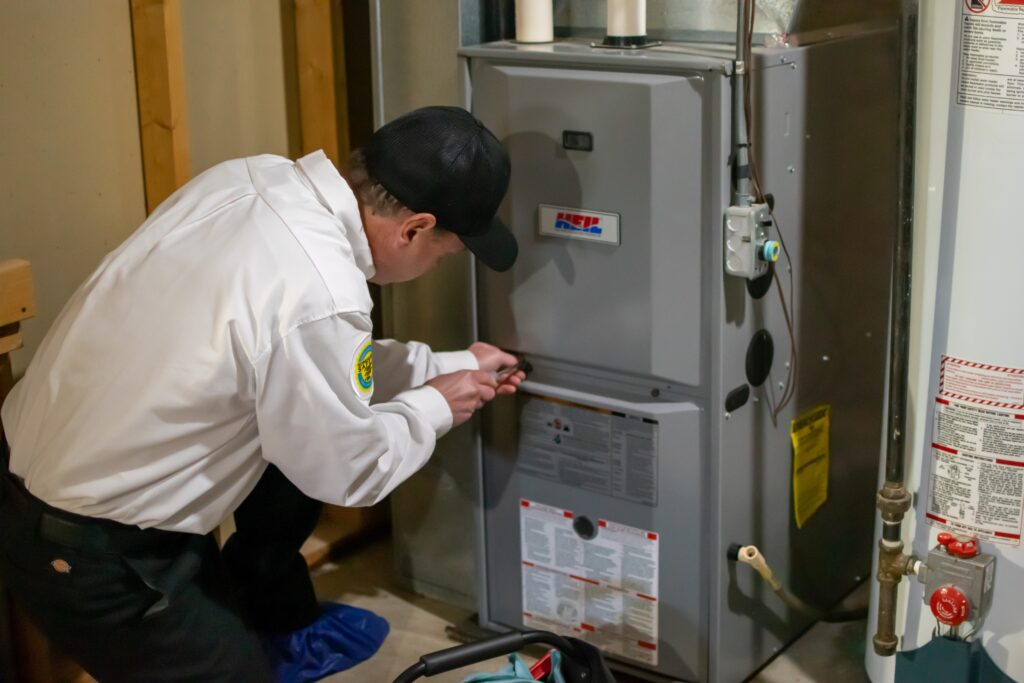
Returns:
(160, 84)
(314, 49)
(341, 84)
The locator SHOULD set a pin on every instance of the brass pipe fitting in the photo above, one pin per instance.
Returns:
(893, 501)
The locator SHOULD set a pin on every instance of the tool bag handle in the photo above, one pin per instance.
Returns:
(472, 653)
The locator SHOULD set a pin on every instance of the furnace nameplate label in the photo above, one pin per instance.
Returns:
(977, 475)
(589, 448)
(603, 590)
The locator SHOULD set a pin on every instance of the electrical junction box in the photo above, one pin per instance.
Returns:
(748, 249)
(614, 483)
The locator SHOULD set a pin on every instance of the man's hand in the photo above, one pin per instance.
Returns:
(466, 391)
(493, 359)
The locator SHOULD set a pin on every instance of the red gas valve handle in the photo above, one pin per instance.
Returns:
(950, 606)
(964, 549)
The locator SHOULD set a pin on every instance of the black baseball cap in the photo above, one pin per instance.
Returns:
(444, 161)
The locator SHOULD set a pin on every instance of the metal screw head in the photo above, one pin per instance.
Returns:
(655, 393)
(825, 359)
(782, 385)
(61, 566)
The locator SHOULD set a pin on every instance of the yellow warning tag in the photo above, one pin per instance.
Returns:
(809, 434)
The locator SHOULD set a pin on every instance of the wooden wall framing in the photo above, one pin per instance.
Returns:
(160, 84)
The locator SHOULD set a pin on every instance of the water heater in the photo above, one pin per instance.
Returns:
(958, 616)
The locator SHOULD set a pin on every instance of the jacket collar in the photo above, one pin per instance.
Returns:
(335, 194)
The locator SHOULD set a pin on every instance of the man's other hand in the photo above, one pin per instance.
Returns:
(491, 358)
(466, 391)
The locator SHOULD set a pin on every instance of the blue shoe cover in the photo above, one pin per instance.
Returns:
(339, 639)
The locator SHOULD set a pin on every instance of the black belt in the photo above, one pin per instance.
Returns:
(77, 531)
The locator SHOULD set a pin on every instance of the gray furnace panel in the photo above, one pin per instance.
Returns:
(614, 485)
(643, 600)
(547, 119)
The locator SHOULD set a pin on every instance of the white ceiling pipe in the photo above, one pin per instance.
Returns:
(535, 21)
(627, 19)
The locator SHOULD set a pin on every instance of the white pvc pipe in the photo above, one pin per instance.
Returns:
(535, 21)
(627, 18)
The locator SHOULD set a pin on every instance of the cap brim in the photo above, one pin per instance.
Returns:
(496, 247)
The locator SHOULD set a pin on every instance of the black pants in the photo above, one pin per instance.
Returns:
(183, 612)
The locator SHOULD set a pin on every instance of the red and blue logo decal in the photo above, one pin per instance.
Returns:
(566, 221)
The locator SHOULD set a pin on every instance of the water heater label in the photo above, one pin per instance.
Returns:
(991, 73)
(977, 469)
(982, 383)
(589, 448)
(580, 224)
(597, 581)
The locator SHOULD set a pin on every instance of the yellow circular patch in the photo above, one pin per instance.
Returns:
(362, 370)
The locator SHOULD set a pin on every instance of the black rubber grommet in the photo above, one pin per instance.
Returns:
(737, 398)
(584, 527)
(760, 286)
(760, 354)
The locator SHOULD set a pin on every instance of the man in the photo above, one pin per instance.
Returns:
(221, 360)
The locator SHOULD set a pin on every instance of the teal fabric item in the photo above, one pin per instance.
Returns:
(517, 671)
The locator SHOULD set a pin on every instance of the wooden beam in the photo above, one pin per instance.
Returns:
(341, 84)
(160, 84)
(314, 47)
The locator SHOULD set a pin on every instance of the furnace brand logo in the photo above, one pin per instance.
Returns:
(578, 222)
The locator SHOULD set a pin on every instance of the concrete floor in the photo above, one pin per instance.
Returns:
(832, 653)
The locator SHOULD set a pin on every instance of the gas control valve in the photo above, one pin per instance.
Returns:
(748, 247)
(958, 581)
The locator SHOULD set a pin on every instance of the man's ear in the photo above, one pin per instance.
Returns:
(417, 225)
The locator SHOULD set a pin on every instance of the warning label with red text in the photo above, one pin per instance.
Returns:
(977, 474)
(597, 581)
(981, 384)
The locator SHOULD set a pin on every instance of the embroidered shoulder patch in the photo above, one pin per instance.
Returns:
(362, 369)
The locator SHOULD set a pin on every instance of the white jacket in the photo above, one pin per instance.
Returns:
(231, 330)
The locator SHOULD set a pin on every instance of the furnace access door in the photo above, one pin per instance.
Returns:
(606, 202)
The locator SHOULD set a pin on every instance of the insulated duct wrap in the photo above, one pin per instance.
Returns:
(715, 20)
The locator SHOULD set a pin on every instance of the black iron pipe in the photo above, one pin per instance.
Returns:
(899, 358)
(893, 499)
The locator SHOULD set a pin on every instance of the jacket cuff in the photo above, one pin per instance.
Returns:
(453, 361)
(429, 403)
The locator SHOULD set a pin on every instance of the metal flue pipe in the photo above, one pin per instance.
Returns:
(743, 187)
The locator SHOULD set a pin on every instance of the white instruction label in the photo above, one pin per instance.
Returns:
(992, 55)
(976, 495)
(589, 448)
(985, 431)
(977, 479)
(603, 590)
